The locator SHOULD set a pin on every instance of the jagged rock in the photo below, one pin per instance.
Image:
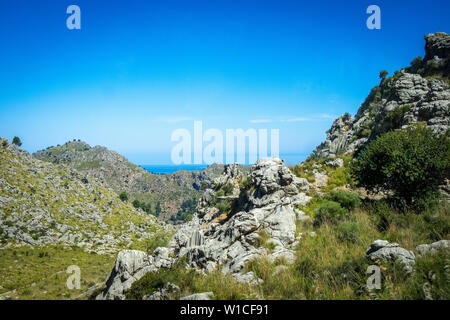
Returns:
(130, 266)
(382, 250)
(336, 163)
(301, 183)
(283, 254)
(49, 203)
(199, 296)
(320, 178)
(415, 91)
(163, 293)
(233, 241)
(118, 173)
(424, 249)
(248, 277)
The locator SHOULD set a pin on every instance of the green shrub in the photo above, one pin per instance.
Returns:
(136, 203)
(430, 279)
(329, 211)
(394, 118)
(225, 205)
(153, 281)
(348, 231)
(225, 190)
(16, 141)
(246, 183)
(382, 214)
(123, 196)
(383, 74)
(411, 163)
(436, 227)
(159, 240)
(186, 211)
(347, 199)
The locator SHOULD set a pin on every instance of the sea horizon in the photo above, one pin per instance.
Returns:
(290, 160)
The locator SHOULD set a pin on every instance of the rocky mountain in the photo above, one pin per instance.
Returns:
(255, 217)
(263, 219)
(258, 220)
(43, 203)
(418, 94)
(116, 172)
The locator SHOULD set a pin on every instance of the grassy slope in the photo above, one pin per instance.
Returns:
(331, 262)
(120, 174)
(31, 186)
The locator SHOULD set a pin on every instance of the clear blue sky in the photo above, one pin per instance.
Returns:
(137, 70)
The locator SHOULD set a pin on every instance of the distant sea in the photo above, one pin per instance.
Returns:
(290, 159)
(166, 169)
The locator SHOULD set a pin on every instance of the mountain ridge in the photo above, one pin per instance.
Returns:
(418, 94)
(170, 190)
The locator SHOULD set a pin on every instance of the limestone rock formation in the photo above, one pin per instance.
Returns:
(116, 172)
(417, 94)
(424, 249)
(260, 210)
(232, 240)
(43, 203)
(382, 250)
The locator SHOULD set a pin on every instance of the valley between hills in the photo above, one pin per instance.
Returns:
(375, 192)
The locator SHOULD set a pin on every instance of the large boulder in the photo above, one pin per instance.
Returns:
(424, 249)
(263, 211)
(232, 241)
(419, 94)
(382, 250)
(130, 266)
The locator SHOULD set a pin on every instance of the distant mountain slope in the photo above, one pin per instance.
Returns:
(121, 175)
(416, 94)
(43, 203)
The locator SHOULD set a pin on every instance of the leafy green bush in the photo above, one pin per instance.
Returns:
(348, 231)
(224, 206)
(430, 279)
(382, 215)
(123, 196)
(225, 190)
(329, 211)
(394, 118)
(186, 211)
(136, 203)
(347, 199)
(436, 227)
(153, 281)
(246, 183)
(411, 163)
(159, 240)
(16, 141)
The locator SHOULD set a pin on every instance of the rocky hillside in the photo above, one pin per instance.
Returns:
(43, 203)
(238, 219)
(418, 94)
(308, 232)
(260, 237)
(118, 173)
